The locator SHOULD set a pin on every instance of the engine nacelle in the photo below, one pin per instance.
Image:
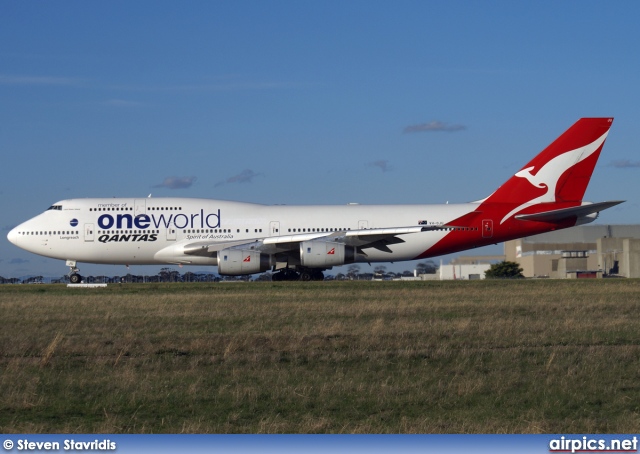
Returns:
(323, 254)
(241, 261)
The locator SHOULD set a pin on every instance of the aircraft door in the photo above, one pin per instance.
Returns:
(171, 233)
(140, 207)
(274, 228)
(363, 225)
(487, 228)
(88, 232)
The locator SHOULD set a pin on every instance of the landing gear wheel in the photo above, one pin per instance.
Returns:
(311, 274)
(285, 274)
(74, 275)
(291, 275)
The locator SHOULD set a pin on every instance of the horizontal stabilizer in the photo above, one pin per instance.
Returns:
(565, 213)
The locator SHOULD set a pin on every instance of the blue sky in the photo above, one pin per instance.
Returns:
(304, 102)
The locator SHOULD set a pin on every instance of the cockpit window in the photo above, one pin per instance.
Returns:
(55, 207)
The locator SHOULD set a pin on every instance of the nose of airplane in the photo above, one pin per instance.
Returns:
(13, 236)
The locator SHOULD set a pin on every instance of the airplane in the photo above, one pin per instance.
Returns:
(301, 242)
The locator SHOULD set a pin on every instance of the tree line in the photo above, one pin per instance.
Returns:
(354, 272)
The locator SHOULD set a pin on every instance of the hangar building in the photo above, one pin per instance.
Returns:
(579, 252)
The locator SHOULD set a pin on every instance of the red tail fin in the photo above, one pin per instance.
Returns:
(561, 172)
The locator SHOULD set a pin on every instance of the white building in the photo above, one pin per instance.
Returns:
(465, 271)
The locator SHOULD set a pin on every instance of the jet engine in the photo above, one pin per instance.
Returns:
(325, 254)
(242, 261)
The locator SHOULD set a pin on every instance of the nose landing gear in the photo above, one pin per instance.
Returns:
(74, 276)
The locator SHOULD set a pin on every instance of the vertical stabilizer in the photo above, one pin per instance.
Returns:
(561, 172)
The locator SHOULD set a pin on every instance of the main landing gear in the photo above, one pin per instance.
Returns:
(74, 276)
(306, 274)
(311, 275)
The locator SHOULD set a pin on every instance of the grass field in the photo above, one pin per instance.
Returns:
(330, 357)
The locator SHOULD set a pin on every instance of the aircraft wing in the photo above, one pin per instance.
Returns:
(362, 238)
(351, 237)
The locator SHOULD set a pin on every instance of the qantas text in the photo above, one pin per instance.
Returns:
(144, 221)
(119, 238)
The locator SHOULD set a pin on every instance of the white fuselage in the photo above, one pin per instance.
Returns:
(156, 230)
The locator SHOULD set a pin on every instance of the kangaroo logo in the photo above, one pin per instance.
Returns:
(549, 174)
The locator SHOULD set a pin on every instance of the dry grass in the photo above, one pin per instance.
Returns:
(354, 357)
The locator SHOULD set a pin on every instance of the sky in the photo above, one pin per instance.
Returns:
(304, 102)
